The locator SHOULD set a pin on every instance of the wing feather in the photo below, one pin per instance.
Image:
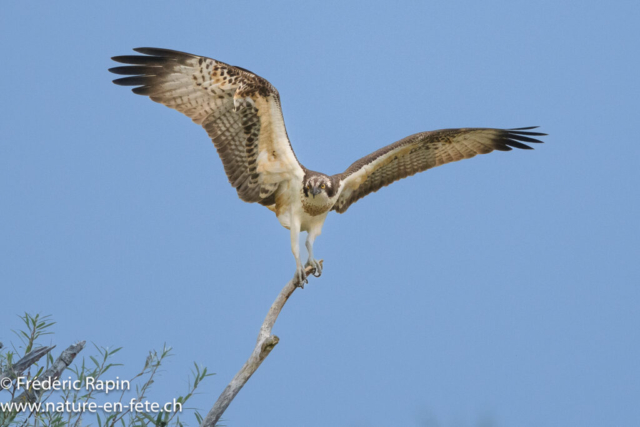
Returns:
(422, 151)
(240, 111)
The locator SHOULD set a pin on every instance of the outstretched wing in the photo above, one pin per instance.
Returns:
(239, 110)
(420, 152)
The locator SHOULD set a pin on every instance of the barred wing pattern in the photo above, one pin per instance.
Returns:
(239, 110)
(422, 151)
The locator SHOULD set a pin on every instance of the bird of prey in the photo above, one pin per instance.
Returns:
(242, 114)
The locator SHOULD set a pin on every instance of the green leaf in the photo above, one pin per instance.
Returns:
(149, 417)
(94, 360)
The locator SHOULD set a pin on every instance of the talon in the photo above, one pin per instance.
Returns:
(300, 278)
(317, 268)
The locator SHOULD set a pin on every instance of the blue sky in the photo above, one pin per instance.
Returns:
(501, 290)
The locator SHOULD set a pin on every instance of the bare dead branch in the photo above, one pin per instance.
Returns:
(265, 343)
(21, 365)
(53, 373)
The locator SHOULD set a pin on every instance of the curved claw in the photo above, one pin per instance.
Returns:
(300, 278)
(317, 267)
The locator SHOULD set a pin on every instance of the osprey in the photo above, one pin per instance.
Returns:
(242, 114)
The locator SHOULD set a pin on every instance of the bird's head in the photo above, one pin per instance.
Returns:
(318, 187)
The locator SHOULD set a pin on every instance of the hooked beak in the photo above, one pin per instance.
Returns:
(315, 191)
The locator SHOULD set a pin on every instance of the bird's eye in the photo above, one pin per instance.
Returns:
(322, 186)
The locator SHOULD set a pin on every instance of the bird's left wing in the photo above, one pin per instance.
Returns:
(420, 152)
(239, 110)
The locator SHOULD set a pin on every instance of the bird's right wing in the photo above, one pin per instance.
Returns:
(239, 110)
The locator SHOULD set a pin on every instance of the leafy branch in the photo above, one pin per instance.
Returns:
(29, 353)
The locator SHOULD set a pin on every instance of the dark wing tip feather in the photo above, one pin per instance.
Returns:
(143, 90)
(519, 131)
(502, 146)
(515, 137)
(530, 133)
(516, 144)
(143, 70)
(134, 70)
(140, 60)
(134, 81)
(522, 138)
(164, 53)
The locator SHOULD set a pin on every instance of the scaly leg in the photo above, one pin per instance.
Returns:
(299, 278)
(311, 236)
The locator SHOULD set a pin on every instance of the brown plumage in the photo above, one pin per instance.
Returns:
(422, 151)
(241, 112)
(225, 100)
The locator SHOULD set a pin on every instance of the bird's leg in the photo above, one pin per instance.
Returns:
(299, 278)
(311, 236)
